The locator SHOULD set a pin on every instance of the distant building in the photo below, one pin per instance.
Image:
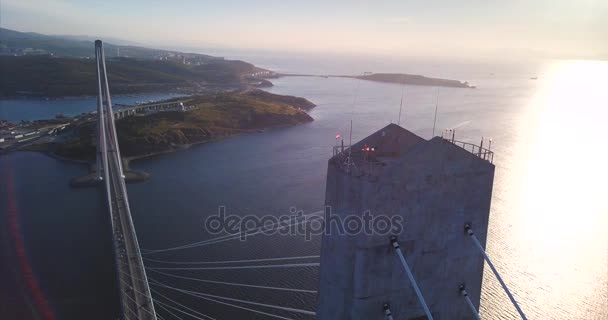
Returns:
(436, 187)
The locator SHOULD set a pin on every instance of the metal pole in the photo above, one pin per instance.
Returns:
(436, 106)
(411, 277)
(464, 293)
(401, 103)
(469, 231)
(387, 311)
(350, 146)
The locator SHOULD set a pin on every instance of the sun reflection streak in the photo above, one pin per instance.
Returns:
(561, 186)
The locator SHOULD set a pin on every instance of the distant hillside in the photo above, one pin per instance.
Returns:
(27, 43)
(15, 42)
(114, 41)
(266, 96)
(54, 77)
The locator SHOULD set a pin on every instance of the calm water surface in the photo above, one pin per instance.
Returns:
(548, 224)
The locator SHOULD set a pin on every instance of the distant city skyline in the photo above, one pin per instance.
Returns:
(540, 29)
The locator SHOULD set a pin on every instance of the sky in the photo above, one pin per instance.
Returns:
(566, 29)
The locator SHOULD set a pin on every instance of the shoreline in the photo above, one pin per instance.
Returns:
(132, 176)
(51, 148)
(187, 146)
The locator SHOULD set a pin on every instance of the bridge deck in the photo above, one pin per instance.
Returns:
(132, 279)
(131, 275)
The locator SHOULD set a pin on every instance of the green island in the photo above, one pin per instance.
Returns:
(210, 116)
(397, 78)
(414, 79)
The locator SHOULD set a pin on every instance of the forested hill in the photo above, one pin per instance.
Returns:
(27, 43)
(41, 75)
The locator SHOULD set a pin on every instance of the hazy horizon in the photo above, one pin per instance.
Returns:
(515, 29)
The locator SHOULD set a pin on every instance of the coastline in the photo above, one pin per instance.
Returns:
(209, 117)
(131, 176)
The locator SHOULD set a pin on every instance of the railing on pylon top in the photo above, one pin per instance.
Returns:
(478, 150)
(357, 162)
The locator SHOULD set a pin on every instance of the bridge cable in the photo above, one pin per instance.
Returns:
(235, 284)
(135, 302)
(125, 305)
(469, 231)
(168, 311)
(387, 311)
(287, 265)
(179, 310)
(244, 308)
(194, 293)
(154, 300)
(232, 305)
(155, 282)
(235, 236)
(232, 261)
(411, 277)
(181, 305)
(131, 310)
(465, 294)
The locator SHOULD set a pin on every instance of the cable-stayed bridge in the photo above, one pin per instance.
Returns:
(135, 293)
(138, 300)
(131, 274)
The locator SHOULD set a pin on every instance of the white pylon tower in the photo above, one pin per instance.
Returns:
(135, 296)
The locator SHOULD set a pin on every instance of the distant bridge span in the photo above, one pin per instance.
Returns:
(136, 300)
(173, 105)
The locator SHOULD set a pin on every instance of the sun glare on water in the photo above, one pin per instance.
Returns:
(559, 188)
